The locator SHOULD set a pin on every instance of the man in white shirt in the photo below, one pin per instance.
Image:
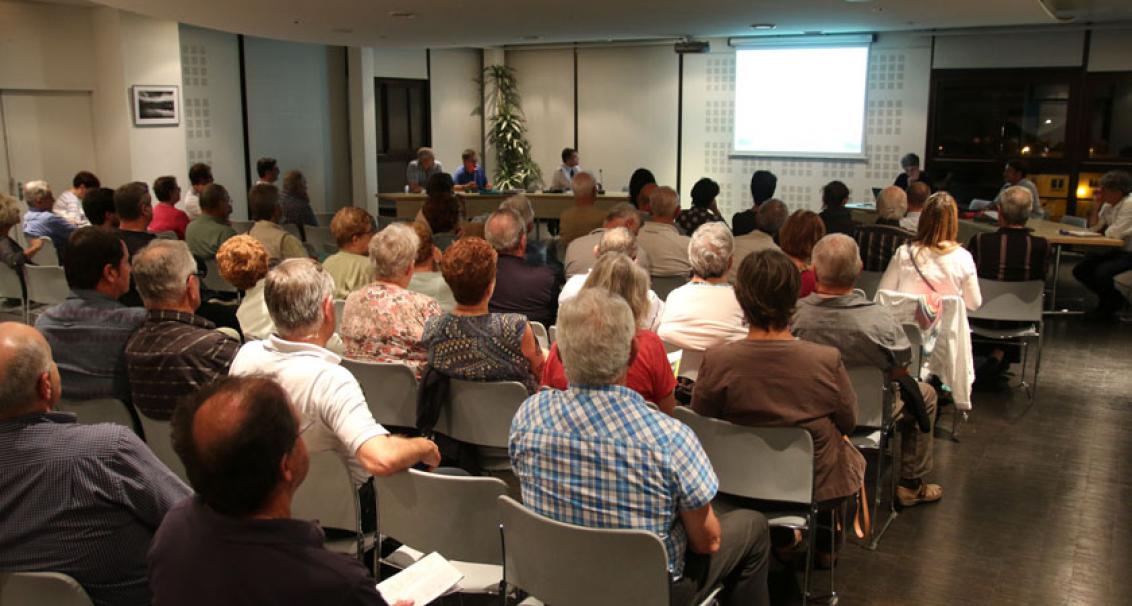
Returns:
(1110, 215)
(563, 178)
(615, 240)
(918, 194)
(200, 177)
(69, 204)
(1015, 175)
(335, 415)
(704, 312)
(580, 258)
(667, 249)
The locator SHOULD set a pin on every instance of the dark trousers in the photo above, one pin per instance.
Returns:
(740, 565)
(1096, 272)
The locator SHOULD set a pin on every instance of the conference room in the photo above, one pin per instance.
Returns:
(592, 303)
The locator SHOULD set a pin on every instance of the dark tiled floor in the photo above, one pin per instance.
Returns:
(1035, 507)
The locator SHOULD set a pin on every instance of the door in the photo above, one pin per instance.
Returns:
(403, 125)
(45, 135)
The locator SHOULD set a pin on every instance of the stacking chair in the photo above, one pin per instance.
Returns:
(46, 286)
(321, 239)
(875, 428)
(46, 255)
(214, 281)
(552, 333)
(11, 287)
(242, 227)
(159, 437)
(103, 410)
(328, 496)
(764, 464)
(390, 390)
(39, 588)
(662, 285)
(1018, 302)
(455, 516)
(480, 413)
(868, 282)
(541, 334)
(568, 565)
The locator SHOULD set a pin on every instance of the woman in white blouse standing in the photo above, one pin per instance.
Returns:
(933, 262)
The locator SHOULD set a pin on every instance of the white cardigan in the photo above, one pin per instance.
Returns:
(950, 273)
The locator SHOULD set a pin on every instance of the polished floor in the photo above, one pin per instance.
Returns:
(1036, 497)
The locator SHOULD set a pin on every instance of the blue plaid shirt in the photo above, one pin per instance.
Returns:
(599, 457)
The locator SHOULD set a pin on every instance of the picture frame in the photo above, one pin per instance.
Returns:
(156, 105)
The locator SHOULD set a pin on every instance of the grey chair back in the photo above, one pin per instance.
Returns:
(242, 227)
(868, 282)
(480, 413)
(159, 437)
(390, 390)
(765, 463)
(41, 588)
(17, 232)
(321, 239)
(46, 255)
(552, 333)
(662, 285)
(104, 410)
(46, 284)
(214, 281)
(872, 395)
(327, 495)
(293, 229)
(569, 565)
(541, 334)
(1010, 301)
(454, 515)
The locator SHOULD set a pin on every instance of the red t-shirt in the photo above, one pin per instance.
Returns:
(168, 218)
(809, 281)
(650, 374)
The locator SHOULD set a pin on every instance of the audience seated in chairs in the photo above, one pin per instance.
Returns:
(69, 204)
(763, 184)
(569, 449)
(879, 242)
(40, 221)
(334, 411)
(867, 335)
(11, 253)
(384, 321)
(704, 312)
(704, 208)
(834, 216)
(211, 228)
(639, 189)
(768, 221)
(521, 287)
(918, 193)
(443, 211)
(166, 215)
(584, 216)
(174, 353)
(200, 177)
(650, 373)
(351, 268)
(1110, 215)
(771, 379)
(88, 331)
(617, 240)
(98, 206)
(666, 248)
(296, 201)
(470, 342)
(427, 278)
(580, 253)
(235, 542)
(797, 238)
(933, 264)
(242, 262)
(264, 209)
(83, 500)
(134, 208)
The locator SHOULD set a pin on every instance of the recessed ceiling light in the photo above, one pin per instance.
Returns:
(763, 26)
(402, 14)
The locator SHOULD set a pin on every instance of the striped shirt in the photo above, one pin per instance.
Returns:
(599, 457)
(172, 355)
(84, 500)
(878, 243)
(1010, 254)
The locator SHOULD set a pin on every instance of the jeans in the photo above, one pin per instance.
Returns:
(1096, 272)
(740, 565)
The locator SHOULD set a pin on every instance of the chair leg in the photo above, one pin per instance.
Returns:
(833, 552)
(811, 528)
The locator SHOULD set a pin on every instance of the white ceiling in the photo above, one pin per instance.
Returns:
(481, 23)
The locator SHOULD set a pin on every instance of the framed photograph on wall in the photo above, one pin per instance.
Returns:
(156, 105)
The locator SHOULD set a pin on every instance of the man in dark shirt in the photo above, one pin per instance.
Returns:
(83, 500)
(763, 184)
(1010, 254)
(235, 542)
(134, 207)
(174, 353)
(98, 206)
(836, 218)
(912, 173)
(520, 287)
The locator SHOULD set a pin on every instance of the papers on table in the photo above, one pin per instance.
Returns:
(980, 204)
(431, 577)
(991, 214)
(1080, 233)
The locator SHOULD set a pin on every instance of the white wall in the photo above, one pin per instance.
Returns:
(409, 63)
(546, 83)
(453, 95)
(296, 96)
(45, 47)
(214, 121)
(1110, 50)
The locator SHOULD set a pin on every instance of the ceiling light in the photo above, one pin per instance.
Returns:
(763, 26)
(402, 14)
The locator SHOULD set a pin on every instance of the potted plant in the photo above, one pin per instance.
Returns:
(507, 131)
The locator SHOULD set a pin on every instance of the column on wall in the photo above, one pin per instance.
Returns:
(363, 128)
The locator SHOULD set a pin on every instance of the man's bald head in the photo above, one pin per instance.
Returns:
(232, 437)
(892, 203)
(918, 193)
(665, 203)
(584, 187)
(28, 379)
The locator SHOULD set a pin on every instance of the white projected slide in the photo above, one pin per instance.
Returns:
(801, 102)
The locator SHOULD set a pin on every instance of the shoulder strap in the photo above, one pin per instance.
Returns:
(912, 256)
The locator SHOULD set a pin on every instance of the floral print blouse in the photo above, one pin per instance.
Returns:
(383, 322)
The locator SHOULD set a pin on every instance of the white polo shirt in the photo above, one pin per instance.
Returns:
(335, 415)
(699, 315)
